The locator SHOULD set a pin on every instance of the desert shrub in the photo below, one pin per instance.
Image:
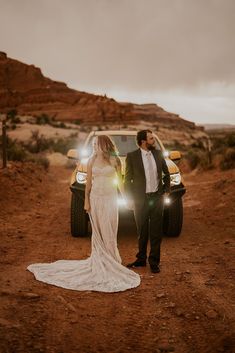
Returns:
(43, 119)
(228, 159)
(40, 160)
(85, 128)
(59, 124)
(221, 141)
(15, 120)
(218, 144)
(62, 125)
(231, 140)
(198, 144)
(12, 116)
(62, 145)
(37, 142)
(193, 158)
(198, 158)
(15, 151)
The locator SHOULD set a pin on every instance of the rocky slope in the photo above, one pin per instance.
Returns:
(24, 88)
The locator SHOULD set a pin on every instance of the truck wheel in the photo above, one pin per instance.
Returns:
(173, 219)
(79, 219)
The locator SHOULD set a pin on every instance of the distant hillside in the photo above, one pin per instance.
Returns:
(218, 126)
(24, 88)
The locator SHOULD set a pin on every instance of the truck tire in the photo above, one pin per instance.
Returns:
(173, 219)
(79, 219)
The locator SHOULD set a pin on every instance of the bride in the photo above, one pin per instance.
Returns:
(103, 270)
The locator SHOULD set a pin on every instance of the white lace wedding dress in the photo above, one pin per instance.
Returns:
(103, 270)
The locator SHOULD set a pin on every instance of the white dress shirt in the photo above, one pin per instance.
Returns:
(145, 156)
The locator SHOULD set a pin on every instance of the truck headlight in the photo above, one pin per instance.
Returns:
(167, 200)
(175, 179)
(81, 177)
(166, 153)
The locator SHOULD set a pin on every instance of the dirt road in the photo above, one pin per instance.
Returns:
(187, 308)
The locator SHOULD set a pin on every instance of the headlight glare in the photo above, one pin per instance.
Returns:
(175, 179)
(84, 153)
(81, 177)
(121, 202)
(166, 153)
(167, 200)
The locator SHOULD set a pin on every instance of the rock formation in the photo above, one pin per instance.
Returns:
(24, 88)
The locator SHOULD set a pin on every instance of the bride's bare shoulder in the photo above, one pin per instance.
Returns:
(91, 161)
(115, 161)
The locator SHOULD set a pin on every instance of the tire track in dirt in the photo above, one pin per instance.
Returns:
(167, 310)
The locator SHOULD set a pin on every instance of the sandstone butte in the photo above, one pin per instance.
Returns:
(24, 88)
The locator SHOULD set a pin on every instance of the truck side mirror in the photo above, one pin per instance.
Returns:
(175, 155)
(72, 154)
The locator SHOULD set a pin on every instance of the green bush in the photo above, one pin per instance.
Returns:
(228, 159)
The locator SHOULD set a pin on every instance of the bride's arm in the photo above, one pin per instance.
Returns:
(88, 186)
(119, 176)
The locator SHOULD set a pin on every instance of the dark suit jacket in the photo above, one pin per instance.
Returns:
(135, 181)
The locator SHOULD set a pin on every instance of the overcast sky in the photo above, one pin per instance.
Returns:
(179, 54)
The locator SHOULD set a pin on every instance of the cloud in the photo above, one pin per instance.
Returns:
(126, 45)
(153, 44)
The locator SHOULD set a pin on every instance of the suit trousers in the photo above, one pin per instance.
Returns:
(149, 222)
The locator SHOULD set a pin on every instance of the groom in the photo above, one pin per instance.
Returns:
(145, 188)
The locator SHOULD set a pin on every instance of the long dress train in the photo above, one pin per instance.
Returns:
(103, 270)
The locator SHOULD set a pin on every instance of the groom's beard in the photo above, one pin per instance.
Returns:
(151, 147)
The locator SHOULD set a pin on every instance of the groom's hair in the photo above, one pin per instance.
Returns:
(142, 135)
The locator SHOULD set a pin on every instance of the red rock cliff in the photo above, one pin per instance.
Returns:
(24, 88)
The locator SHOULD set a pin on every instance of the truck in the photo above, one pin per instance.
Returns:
(125, 142)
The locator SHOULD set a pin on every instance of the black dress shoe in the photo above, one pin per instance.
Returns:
(155, 268)
(137, 263)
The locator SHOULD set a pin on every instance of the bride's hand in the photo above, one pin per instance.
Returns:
(130, 205)
(87, 207)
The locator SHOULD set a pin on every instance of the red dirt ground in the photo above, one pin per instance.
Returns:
(187, 308)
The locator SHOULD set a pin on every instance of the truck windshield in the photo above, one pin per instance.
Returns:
(124, 144)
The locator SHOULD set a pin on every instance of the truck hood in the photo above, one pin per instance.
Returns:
(172, 167)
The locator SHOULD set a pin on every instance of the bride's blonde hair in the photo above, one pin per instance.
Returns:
(108, 148)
